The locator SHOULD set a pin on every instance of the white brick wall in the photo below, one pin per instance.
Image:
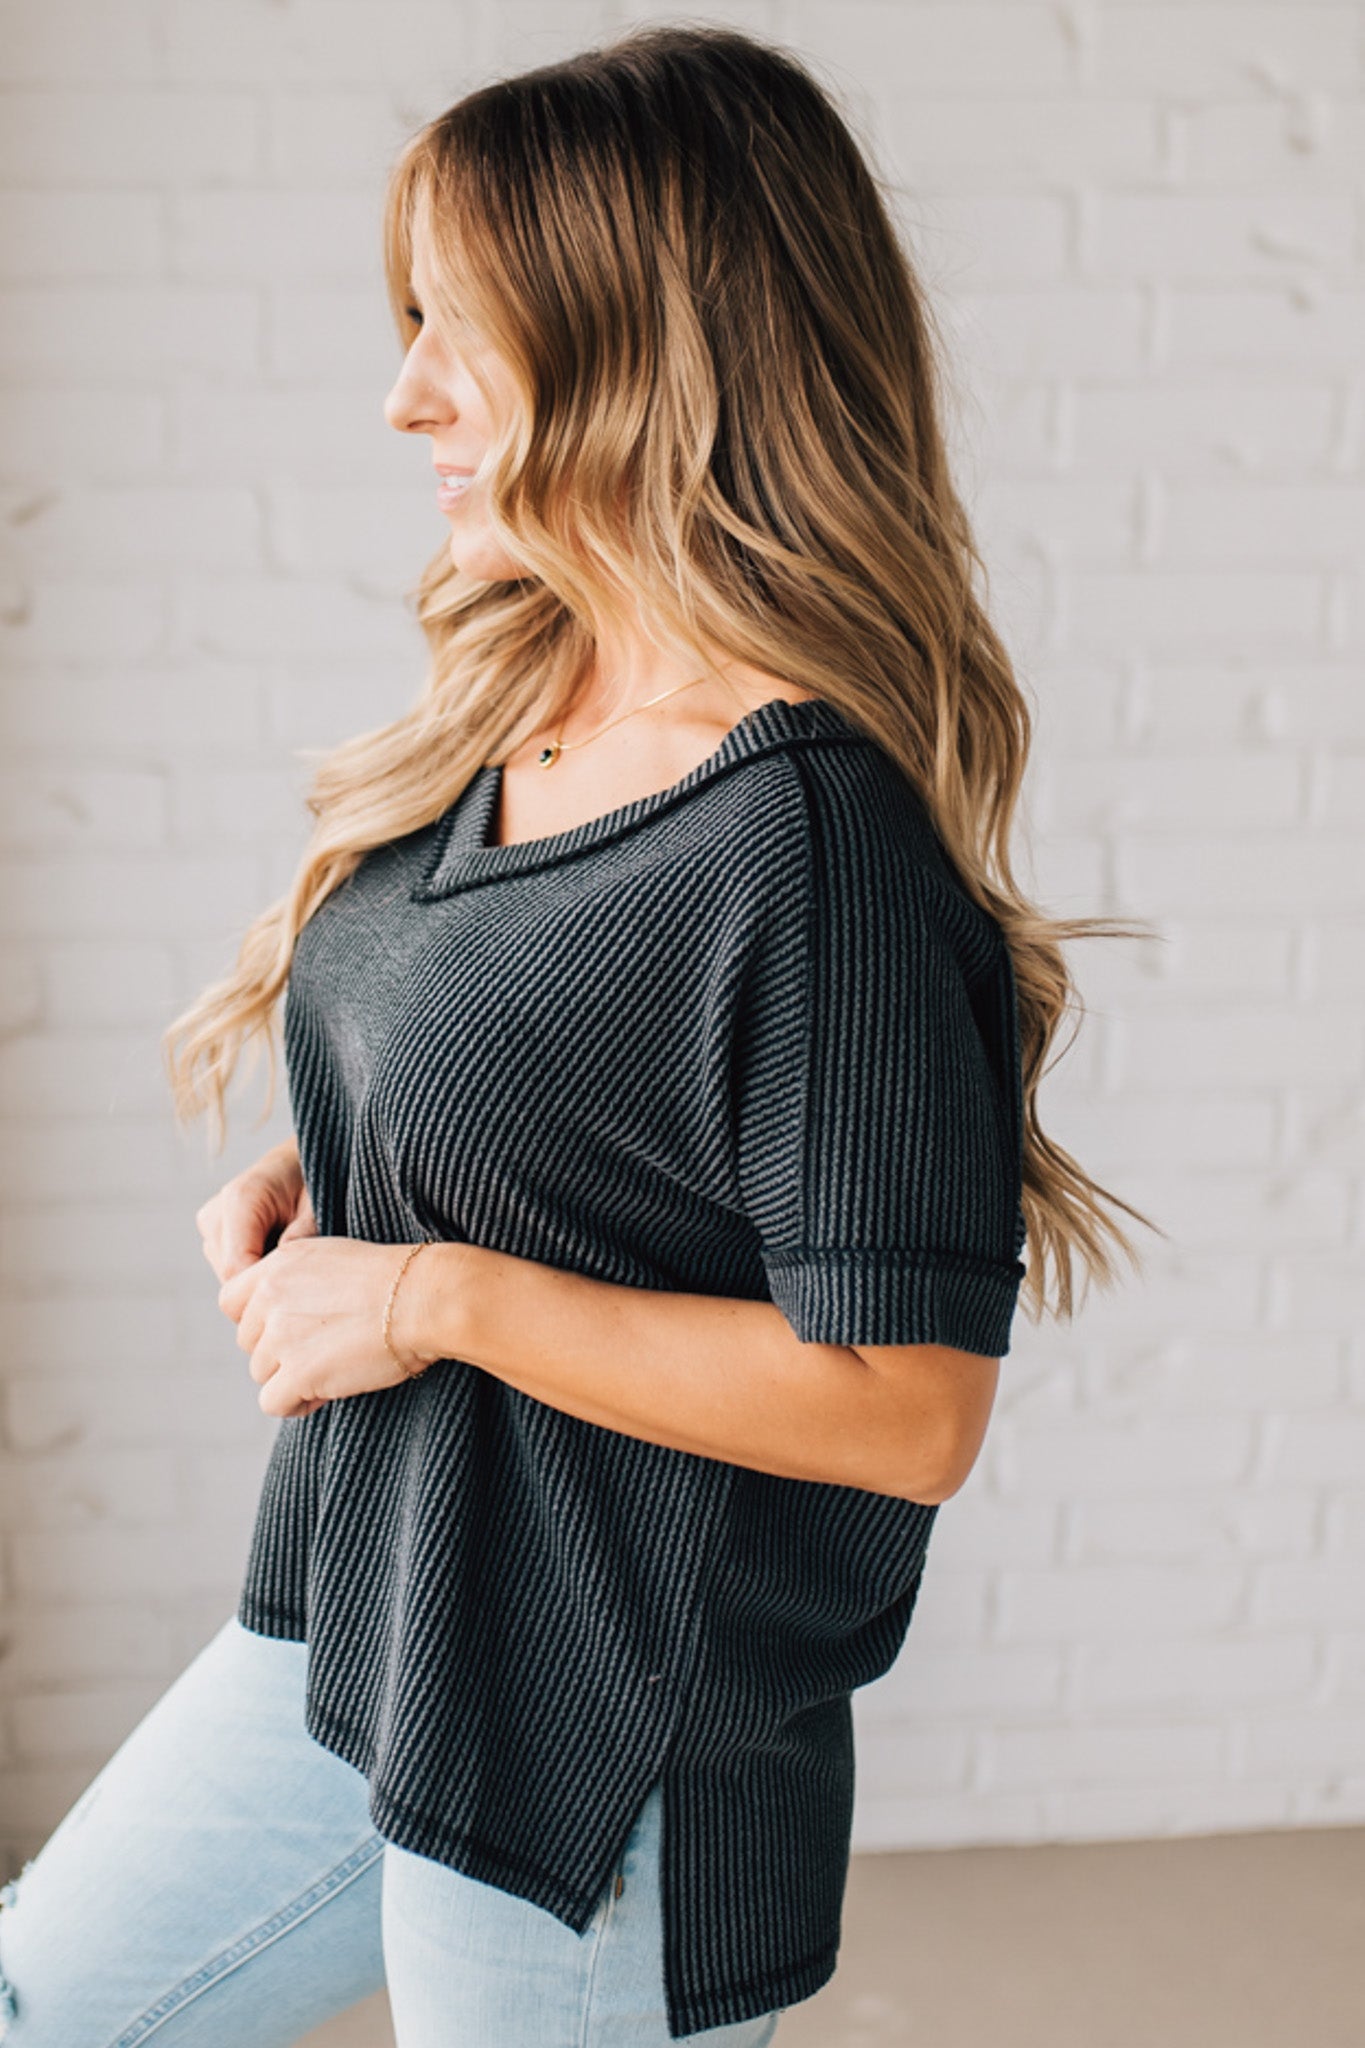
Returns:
(1142, 226)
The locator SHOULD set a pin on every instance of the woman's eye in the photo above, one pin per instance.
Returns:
(413, 314)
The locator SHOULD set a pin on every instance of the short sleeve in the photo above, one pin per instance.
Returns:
(878, 1097)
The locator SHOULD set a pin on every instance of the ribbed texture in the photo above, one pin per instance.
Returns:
(748, 1037)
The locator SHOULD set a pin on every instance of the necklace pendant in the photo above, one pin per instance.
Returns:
(548, 755)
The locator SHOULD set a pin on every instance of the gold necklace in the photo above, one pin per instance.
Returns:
(550, 754)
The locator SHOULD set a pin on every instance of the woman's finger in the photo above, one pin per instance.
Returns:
(301, 1226)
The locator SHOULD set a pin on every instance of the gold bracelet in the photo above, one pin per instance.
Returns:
(413, 1250)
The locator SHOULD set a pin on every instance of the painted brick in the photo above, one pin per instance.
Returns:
(1223, 52)
(978, 1526)
(1305, 1744)
(1298, 325)
(1237, 238)
(1196, 1806)
(987, 49)
(1118, 790)
(1299, 1206)
(108, 981)
(943, 1820)
(1041, 1759)
(1231, 425)
(974, 1682)
(1345, 1522)
(78, 1645)
(971, 236)
(46, 434)
(1126, 1456)
(21, 988)
(73, 136)
(1277, 871)
(1067, 519)
(342, 334)
(1237, 1672)
(1136, 1129)
(61, 618)
(146, 525)
(1347, 1654)
(81, 808)
(94, 234)
(248, 615)
(33, 1799)
(148, 1400)
(918, 1759)
(185, 896)
(1328, 1447)
(77, 1727)
(951, 1608)
(330, 140)
(1179, 610)
(1343, 799)
(117, 42)
(114, 1244)
(1020, 332)
(1309, 141)
(1273, 523)
(174, 1557)
(314, 43)
(1303, 1592)
(1296, 1370)
(115, 1160)
(375, 532)
(1134, 1600)
(200, 707)
(1255, 703)
(235, 236)
(68, 1491)
(241, 806)
(1323, 1291)
(80, 1074)
(945, 141)
(110, 333)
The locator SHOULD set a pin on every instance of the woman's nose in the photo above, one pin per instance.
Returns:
(414, 407)
(402, 412)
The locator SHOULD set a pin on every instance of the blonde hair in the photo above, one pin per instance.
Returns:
(729, 415)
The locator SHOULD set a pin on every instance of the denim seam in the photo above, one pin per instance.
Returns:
(601, 1934)
(8, 2005)
(307, 1903)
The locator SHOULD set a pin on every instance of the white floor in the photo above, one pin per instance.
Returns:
(1217, 1941)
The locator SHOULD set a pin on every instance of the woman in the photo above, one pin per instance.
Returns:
(663, 1026)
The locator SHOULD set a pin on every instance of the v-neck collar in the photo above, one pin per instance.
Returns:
(461, 858)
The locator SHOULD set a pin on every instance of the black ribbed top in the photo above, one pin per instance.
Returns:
(746, 1036)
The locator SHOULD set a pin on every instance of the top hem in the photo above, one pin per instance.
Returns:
(754, 2000)
(263, 1622)
(419, 1835)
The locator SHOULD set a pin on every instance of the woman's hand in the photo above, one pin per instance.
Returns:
(311, 1314)
(236, 1223)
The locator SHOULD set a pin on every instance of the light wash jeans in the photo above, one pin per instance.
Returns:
(220, 1885)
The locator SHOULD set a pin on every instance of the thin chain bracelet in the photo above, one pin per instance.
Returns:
(413, 1250)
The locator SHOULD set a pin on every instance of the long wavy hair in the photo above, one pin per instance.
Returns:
(730, 387)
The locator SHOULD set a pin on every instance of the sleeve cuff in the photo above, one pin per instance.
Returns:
(859, 1296)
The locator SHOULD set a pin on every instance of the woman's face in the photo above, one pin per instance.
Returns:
(436, 394)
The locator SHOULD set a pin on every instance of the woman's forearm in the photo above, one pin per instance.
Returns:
(720, 1377)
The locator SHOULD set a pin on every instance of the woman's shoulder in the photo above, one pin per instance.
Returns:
(859, 832)
(856, 799)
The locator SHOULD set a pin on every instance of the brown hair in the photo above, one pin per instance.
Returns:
(730, 414)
